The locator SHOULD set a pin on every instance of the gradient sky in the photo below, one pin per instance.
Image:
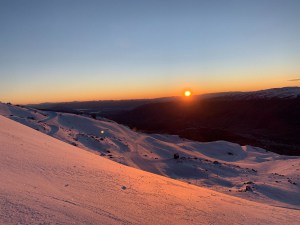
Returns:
(65, 50)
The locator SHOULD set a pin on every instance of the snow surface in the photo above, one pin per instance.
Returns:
(238, 166)
(46, 181)
(244, 171)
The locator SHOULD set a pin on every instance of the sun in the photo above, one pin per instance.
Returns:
(187, 93)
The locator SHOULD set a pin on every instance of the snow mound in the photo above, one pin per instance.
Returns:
(221, 150)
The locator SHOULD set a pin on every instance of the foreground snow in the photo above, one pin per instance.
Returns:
(44, 180)
(244, 171)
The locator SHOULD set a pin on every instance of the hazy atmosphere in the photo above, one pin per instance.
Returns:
(54, 51)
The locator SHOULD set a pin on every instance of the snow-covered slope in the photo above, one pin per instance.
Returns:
(242, 171)
(285, 92)
(46, 181)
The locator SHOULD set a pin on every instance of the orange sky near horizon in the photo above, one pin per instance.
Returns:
(85, 92)
(108, 50)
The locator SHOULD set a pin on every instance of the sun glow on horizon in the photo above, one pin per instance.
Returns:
(187, 93)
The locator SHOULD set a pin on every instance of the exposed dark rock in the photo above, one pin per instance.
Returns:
(248, 188)
(249, 182)
(216, 163)
(176, 156)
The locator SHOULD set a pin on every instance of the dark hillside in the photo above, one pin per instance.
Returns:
(272, 123)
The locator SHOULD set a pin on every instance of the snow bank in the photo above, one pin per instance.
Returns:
(44, 180)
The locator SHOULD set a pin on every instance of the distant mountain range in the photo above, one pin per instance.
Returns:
(112, 106)
(267, 118)
(101, 107)
(285, 92)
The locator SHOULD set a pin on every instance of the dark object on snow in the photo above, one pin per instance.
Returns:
(291, 182)
(176, 156)
(248, 188)
(249, 182)
(216, 163)
(94, 115)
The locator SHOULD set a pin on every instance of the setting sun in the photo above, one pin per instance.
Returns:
(187, 93)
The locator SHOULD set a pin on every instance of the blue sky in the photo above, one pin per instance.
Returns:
(63, 50)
